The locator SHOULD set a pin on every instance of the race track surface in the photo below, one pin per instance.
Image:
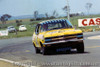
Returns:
(22, 50)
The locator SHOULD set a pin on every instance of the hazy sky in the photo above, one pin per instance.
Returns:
(27, 7)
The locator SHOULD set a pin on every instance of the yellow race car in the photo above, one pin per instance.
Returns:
(57, 35)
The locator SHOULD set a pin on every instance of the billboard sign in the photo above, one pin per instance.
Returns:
(88, 22)
(4, 33)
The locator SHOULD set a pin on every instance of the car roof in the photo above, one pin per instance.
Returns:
(10, 26)
(22, 25)
(48, 21)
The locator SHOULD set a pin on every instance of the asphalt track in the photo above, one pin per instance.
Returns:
(21, 50)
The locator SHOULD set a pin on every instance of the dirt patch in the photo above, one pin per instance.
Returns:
(6, 64)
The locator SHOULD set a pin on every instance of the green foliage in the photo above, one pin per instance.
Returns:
(5, 18)
(18, 22)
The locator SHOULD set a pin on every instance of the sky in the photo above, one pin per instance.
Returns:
(27, 7)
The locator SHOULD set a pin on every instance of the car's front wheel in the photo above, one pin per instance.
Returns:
(36, 49)
(44, 50)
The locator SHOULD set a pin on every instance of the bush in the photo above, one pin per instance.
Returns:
(52, 17)
(32, 20)
(18, 22)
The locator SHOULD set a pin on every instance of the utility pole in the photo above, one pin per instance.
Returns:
(68, 10)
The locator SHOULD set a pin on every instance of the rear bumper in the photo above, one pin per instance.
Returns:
(64, 41)
(11, 31)
(22, 29)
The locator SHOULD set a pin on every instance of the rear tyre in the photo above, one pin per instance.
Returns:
(80, 48)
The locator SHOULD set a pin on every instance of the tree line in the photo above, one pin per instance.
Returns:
(46, 16)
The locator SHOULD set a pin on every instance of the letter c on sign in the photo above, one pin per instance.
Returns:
(84, 21)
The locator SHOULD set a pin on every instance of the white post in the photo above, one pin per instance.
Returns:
(68, 10)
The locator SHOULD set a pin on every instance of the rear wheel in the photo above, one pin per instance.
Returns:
(80, 48)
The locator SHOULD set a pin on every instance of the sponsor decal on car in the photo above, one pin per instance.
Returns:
(63, 49)
(60, 31)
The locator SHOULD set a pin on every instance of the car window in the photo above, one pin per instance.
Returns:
(37, 29)
(11, 27)
(57, 24)
(41, 28)
(22, 26)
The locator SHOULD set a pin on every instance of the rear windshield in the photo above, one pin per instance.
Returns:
(11, 27)
(22, 26)
(57, 24)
